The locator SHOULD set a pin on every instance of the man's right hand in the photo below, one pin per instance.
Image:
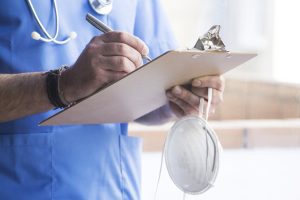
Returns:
(106, 59)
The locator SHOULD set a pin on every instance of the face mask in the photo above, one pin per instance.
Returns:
(192, 155)
(192, 148)
(191, 152)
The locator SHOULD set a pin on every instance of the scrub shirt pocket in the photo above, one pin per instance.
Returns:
(130, 153)
(26, 166)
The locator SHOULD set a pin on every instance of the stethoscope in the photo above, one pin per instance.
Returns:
(102, 7)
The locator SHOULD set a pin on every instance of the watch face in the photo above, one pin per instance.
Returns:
(192, 155)
(102, 7)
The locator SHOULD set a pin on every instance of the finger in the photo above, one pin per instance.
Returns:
(115, 76)
(121, 49)
(200, 92)
(186, 96)
(108, 77)
(96, 40)
(180, 112)
(217, 96)
(126, 38)
(212, 109)
(187, 108)
(117, 63)
(215, 82)
(176, 110)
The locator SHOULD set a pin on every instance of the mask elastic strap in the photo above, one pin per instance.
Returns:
(160, 171)
(209, 100)
(201, 114)
(201, 105)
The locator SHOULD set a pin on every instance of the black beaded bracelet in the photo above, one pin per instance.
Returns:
(53, 90)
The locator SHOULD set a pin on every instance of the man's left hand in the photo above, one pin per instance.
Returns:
(185, 101)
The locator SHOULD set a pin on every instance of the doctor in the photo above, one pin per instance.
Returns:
(87, 161)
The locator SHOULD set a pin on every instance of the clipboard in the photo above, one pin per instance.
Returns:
(143, 90)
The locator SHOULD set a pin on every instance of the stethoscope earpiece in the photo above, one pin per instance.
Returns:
(35, 35)
(73, 35)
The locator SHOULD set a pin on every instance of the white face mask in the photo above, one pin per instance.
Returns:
(192, 148)
(191, 152)
(192, 155)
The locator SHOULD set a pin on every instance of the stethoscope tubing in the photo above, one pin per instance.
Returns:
(48, 39)
(37, 19)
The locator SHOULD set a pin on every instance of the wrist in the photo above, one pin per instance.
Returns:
(65, 86)
(54, 90)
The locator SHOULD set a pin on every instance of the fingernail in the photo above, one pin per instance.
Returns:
(145, 50)
(196, 83)
(176, 90)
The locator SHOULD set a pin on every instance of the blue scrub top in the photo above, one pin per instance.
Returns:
(70, 162)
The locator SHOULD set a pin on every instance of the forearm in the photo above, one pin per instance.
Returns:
(157, 117)
(22, 94)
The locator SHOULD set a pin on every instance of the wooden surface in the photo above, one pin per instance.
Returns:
(232, 134)
(249, 99)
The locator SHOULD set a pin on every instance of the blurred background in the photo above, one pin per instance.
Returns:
(258, 123)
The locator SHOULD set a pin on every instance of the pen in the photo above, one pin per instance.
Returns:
(104, 28)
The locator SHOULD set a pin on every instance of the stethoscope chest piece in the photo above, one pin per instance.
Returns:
(102, 7)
